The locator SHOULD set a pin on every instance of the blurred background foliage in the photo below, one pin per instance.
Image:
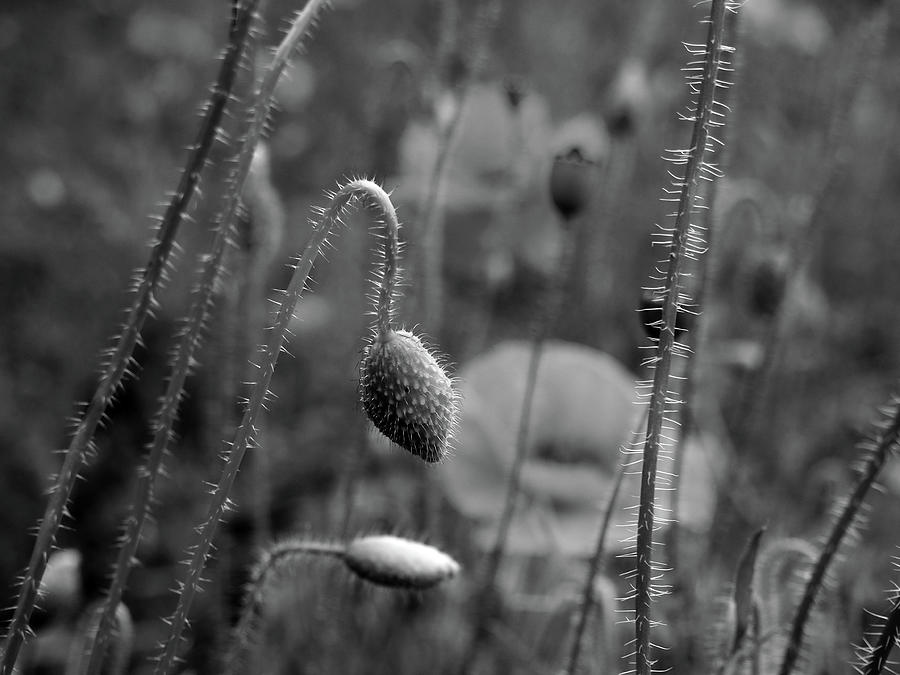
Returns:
(99, 101)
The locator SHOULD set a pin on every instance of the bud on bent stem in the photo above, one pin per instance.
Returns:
(328, 218)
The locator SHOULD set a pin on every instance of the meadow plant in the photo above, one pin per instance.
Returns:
(118, 643)
(384, 560)
(684, 241)
(874, 654)
(408, 396)
(570, 191)
(119, 358)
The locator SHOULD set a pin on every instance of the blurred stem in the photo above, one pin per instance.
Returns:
(246, 432)
(432, 210)
(595, 565)
(545, 320)
(117, 366)
(684, 243)
(859, 69)
(272, 558)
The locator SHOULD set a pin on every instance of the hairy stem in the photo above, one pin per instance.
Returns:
(244, 435)
(886, 442)
(120, 357)
(686, 241)
(878, 658)
(191, 336)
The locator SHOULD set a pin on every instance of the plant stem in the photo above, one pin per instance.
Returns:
(852, 78)
(686, 241)
(594, 567)
(886, 442)
(191, 336)
(116, 367)
(245, 433)
(878, 657)
(432, 210)
(271, 559)
(546, 318)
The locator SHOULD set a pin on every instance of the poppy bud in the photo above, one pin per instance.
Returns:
(400, 563)
(514, 88)
(571, 182)
(407, 394)
(765, 284)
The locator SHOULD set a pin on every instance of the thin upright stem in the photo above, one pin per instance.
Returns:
(594, 568)
(431, 210)
(596, 562)
(191, 337)
(245, 433)
(546, 318)
(686, 240)
(857, 72)
(116, 367)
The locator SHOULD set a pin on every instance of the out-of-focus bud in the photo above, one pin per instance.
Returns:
(572, 181)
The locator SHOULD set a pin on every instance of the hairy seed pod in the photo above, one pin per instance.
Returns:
(407, 394)
(399, 563)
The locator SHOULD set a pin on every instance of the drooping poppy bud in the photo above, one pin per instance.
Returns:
(407, 394)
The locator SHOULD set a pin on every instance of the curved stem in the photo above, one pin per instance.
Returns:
(272, 558)
(116, 368)
(686, 241)
(244, 435)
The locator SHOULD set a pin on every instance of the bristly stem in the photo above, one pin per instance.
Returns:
(116, 367)
(244, 435)
(686, 242)
(877, 658)
(163, 424)
(885, 443)
(191, 336)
